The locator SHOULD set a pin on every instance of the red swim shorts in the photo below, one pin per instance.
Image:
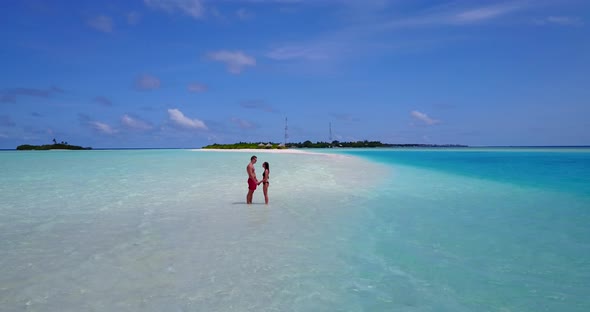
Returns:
(251, 184)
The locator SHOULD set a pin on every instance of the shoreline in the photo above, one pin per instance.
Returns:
(253, 150)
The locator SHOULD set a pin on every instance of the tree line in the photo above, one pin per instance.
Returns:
(320, 144)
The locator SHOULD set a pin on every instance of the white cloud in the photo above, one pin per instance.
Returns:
(197, 87)
(235, 61)
(424, 118)
(310, 52)
(178, 118)
(135, 123)
(4, 136)
(101, 23)
(456, 16)
(485, 13)
(193, 8)
(243, 124)
(102, 127)
(147, 82)
(376, 18)
(561, 20)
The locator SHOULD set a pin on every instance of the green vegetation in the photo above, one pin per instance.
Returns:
(245, 145)
(55, 145)
(309, 144)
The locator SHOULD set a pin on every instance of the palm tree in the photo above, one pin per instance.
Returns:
(54, 141)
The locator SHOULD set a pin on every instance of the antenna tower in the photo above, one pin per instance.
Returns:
(286, 131)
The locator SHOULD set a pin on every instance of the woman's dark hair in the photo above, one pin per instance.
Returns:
(266, 166)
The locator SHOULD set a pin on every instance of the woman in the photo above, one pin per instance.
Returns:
(265, 178)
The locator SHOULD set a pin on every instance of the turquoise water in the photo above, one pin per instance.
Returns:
(497, 230)
(350, 230)
(564, 169)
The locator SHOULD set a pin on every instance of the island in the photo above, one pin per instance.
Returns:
(333, 144)
(246, 145)
(55, 146)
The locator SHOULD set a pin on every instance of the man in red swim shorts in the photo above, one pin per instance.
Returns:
(252, 181)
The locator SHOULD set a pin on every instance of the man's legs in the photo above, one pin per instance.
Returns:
(251, 189)
(249, 196)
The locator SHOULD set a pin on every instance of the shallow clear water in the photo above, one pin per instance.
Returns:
(168, 230)
(487, 229)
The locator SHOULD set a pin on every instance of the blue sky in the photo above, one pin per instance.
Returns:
(187, 73)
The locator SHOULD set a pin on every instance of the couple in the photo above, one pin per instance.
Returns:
(253, 181)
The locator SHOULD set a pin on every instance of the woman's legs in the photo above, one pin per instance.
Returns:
(265, 190)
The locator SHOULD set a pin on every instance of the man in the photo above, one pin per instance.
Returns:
(252, 181)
